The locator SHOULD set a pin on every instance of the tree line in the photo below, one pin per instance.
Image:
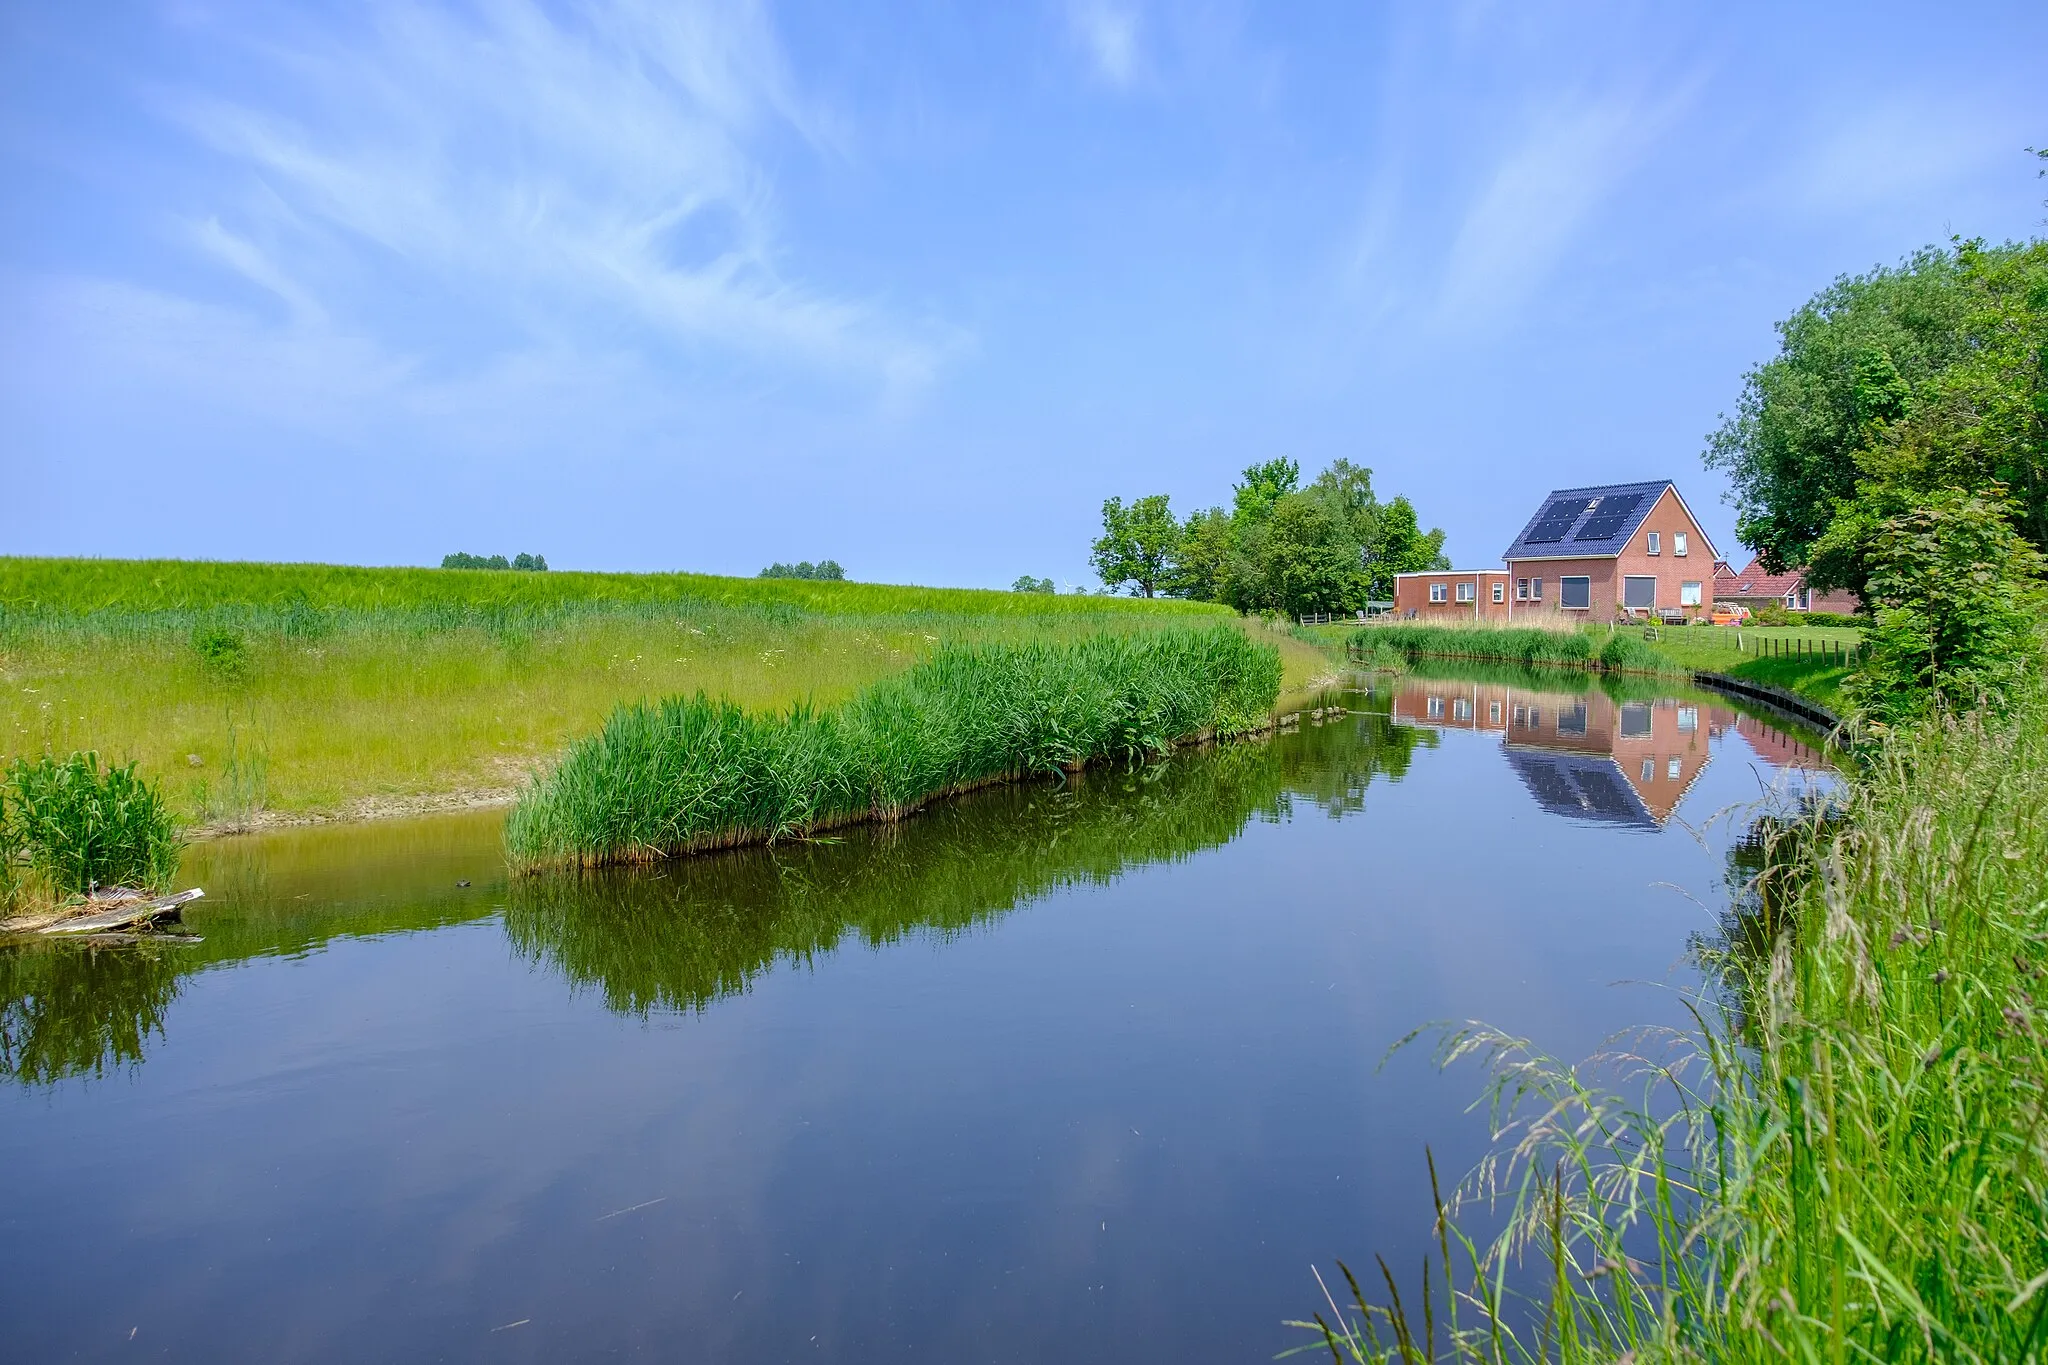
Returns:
(1331, 545)
(524, 563)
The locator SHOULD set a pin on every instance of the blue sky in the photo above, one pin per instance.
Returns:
(646, 285)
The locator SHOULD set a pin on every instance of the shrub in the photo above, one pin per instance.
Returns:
(1957, 602)
(825, 570)
(223, 652)
(84, 827)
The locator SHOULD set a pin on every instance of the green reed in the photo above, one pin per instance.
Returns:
(689, 773)
(1847, 1159)
(1530, 645)
(82, 826)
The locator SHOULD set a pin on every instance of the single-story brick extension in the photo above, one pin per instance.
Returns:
(1753, 586)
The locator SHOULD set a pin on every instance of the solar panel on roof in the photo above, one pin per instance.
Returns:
(1612, 516)
(1556, 522)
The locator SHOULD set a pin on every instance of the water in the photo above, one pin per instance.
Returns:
(1055, 1073)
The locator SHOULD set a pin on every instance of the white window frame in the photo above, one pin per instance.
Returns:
(1654, 540)
(1627, 579)
(1671, 769)
(1435, 708)
(1535, 590)
(1467, 592)
(1439, 592)
(1521, 589)
(1461, 708)
(1678, 543)
(1689, 593)
(1500, 593)
(1564, 601)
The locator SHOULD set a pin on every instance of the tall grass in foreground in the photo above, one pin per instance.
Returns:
(68, 825)
(1845, 1162)
(686, 774)
(1527, 645)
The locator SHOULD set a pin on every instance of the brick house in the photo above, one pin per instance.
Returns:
(1599, 552)
(1451, 595)
(1753, 585)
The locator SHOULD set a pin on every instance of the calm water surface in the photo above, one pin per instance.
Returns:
(1065, 1073)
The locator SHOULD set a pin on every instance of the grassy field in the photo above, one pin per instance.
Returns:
(256, 690)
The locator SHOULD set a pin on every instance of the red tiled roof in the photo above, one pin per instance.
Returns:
(1754, 582)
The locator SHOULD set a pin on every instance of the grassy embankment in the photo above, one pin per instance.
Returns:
(1771, 655)
(1849, 1160)
(690, 773)
(305, 689)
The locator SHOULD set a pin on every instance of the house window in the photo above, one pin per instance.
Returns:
(1574, 591)
(1688, 719)
(1678, 543)
(1649, 770)
(1521, 589)
(1437, 593)
(1635, 720)
(1500, 592)
(1688, 594)
(1671, 770)
(1436, 708)
(1461, 708)
(1493, 713)
(1535, 590)
(1464, 592)
(1571, 720)
(1639, 590)
(1653, 543)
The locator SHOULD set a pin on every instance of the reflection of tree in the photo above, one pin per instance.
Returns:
(67, 1010)
(685, 933)
(1767, 871)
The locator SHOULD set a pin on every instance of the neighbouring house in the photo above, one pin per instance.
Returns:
(1460, 594)
(1600, 552)
(1753, 586)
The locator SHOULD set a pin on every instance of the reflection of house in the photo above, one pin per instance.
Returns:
(1633, 546)
(1581, 755)
(1754, 587)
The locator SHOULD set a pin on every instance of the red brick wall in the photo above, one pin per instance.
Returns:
(1667, 518)
(1411, 593)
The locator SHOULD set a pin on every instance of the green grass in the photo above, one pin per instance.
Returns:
(661, 779)
(79, 826)
(1846, 1162)
(309, 689)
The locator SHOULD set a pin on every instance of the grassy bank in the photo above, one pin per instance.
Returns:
(661, 779)
(1525, 646)
(256, 690)
(1849, 1161)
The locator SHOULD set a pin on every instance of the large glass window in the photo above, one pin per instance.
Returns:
(1638, 590)
(1437, 593)
(1571, 720)
(1574, 592)
(1464, 592)
(1635, 720)
(1688, 594)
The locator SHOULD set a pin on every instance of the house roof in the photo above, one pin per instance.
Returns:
(1592, 523)
(1588, 787)
(1754, 582)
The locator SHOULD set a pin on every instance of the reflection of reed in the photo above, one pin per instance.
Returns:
(684, 934)
(67, 1010)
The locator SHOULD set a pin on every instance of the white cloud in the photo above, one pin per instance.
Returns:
(1108, 34)
(544, 178)
(1540, 195)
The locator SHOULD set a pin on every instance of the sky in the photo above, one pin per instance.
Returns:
(640, 285)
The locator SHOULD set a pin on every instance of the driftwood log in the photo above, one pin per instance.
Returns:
(106, 914)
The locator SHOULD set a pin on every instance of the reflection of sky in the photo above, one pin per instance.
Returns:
(1116, 1124)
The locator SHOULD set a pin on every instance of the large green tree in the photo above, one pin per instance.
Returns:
(1888, 386)
(1138, 544)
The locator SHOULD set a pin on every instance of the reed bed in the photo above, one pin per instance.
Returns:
(685, 774)
(1846, 1161)
(1530, 646)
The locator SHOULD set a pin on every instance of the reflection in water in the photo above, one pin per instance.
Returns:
(69, 1010)
(1591, 756)
(683, 934)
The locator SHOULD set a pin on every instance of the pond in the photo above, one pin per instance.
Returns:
(1081, 1072)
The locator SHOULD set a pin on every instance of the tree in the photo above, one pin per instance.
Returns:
(1401, 546)
(1261, 486)
(1203, 564)
(1309, 561)
(827, 570)
(1137, 545)
(1027, 583)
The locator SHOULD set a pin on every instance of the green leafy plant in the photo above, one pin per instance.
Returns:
(223, 652)
(84, 826)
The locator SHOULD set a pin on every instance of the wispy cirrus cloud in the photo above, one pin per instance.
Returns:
(1108, 34)
(550, 179)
